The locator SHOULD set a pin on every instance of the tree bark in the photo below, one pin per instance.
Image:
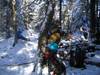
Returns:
(92, 18)
(8, 21)
(60, 11)
(98, 23)
(14, 21)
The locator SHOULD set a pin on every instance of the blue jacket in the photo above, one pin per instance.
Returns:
(53, 47)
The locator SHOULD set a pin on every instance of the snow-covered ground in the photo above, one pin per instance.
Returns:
(23, 52)
(95, 58)
(90, 70)
(20, 60)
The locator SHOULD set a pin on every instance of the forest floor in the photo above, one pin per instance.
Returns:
(20, 60)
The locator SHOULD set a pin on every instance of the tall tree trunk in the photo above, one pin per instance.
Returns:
(26, 19)
(92, 18)
(14, 21)
(97, 25)
(8, 21)
(60, 11)
(17, 18)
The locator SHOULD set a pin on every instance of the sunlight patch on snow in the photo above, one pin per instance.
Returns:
(1, 39)
(14, 68)
(31, 45)
(28, 69)
(21, 51)
(35, 46)
(38, 70)
(45, 70)
(3, 54)
(31, 55)
(97, 56)
(6, 44)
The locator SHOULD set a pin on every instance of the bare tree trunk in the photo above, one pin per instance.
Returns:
(97, 24)
(8, 21)
(92, 18)
(60, 11)
(26, 14)
(14, 21)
